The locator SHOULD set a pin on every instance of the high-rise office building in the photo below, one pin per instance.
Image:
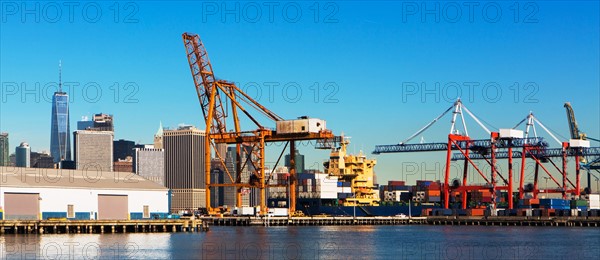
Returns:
(123, 165)
(93, 150)
(184, 167)
(13, 159)
(150, 164)
(227, 195)
(60, 139)
(218, 175)
(4, 154)
(100, 122)
(23, 155)
(85, 123)
(122, 149)
(103, 122)
(299, 160)
(158, 137)
(41, 160)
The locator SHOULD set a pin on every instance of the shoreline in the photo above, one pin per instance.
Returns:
(430, 220)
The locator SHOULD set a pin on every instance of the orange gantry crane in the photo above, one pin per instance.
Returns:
(213, 95)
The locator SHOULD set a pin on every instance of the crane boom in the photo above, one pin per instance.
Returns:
(573, 128)
(205, 81)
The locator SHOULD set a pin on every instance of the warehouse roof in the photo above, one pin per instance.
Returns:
(61, 178)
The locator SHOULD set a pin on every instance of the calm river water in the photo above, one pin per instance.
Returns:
(314, 242)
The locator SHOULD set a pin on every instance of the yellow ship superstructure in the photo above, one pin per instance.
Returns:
(356, 169)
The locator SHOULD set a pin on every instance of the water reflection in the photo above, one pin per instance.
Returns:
(315, 242)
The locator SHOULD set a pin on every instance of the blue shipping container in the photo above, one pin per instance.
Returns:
(554, 202)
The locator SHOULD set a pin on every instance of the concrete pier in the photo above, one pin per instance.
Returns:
(437, 220)
(100, 226)
(515, 221)
(312, 221)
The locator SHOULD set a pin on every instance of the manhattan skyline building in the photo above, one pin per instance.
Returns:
(150, 164)
(99, 122)
(123, 149)
(85, 123)
(184, 167)
(4, 151)
(158, 137)
(227, 195)
(23, 155)
(60, 138)
(103, 122)
(94, 150)
(299, 159)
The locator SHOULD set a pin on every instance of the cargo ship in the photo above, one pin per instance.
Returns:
(347, 188)
(312, 207)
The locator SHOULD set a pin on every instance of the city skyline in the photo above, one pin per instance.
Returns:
(361, 65)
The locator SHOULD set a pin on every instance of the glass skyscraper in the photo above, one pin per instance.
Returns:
(4, 157)
(60, 140)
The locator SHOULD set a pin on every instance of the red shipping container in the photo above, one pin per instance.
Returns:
(433, 193)
(435, 185)
(396, 183)
(475, 212)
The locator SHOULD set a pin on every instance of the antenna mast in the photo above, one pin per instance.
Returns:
(59, 75)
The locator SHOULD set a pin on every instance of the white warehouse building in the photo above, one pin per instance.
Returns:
(36, 193)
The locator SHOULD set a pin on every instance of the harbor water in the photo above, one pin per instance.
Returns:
(316, 242)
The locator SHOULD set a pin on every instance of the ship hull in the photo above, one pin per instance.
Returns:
(360, 211)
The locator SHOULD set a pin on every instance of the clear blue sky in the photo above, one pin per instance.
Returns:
(363, 56)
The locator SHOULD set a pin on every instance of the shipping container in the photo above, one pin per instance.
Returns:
(434, 199)
(278, 212)
(433, 193)
(475, 212)
(246, 211)
(396, 183)
(510, 133)
(423, 183)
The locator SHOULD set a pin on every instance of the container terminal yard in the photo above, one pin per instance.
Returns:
(345, 192)
(346, 187)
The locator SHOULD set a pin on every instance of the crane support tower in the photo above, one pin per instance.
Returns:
(578, 137)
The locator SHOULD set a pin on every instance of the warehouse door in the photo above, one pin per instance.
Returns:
(21, 206)
(112, 207)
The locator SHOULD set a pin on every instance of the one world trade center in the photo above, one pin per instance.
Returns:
(60, 140)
